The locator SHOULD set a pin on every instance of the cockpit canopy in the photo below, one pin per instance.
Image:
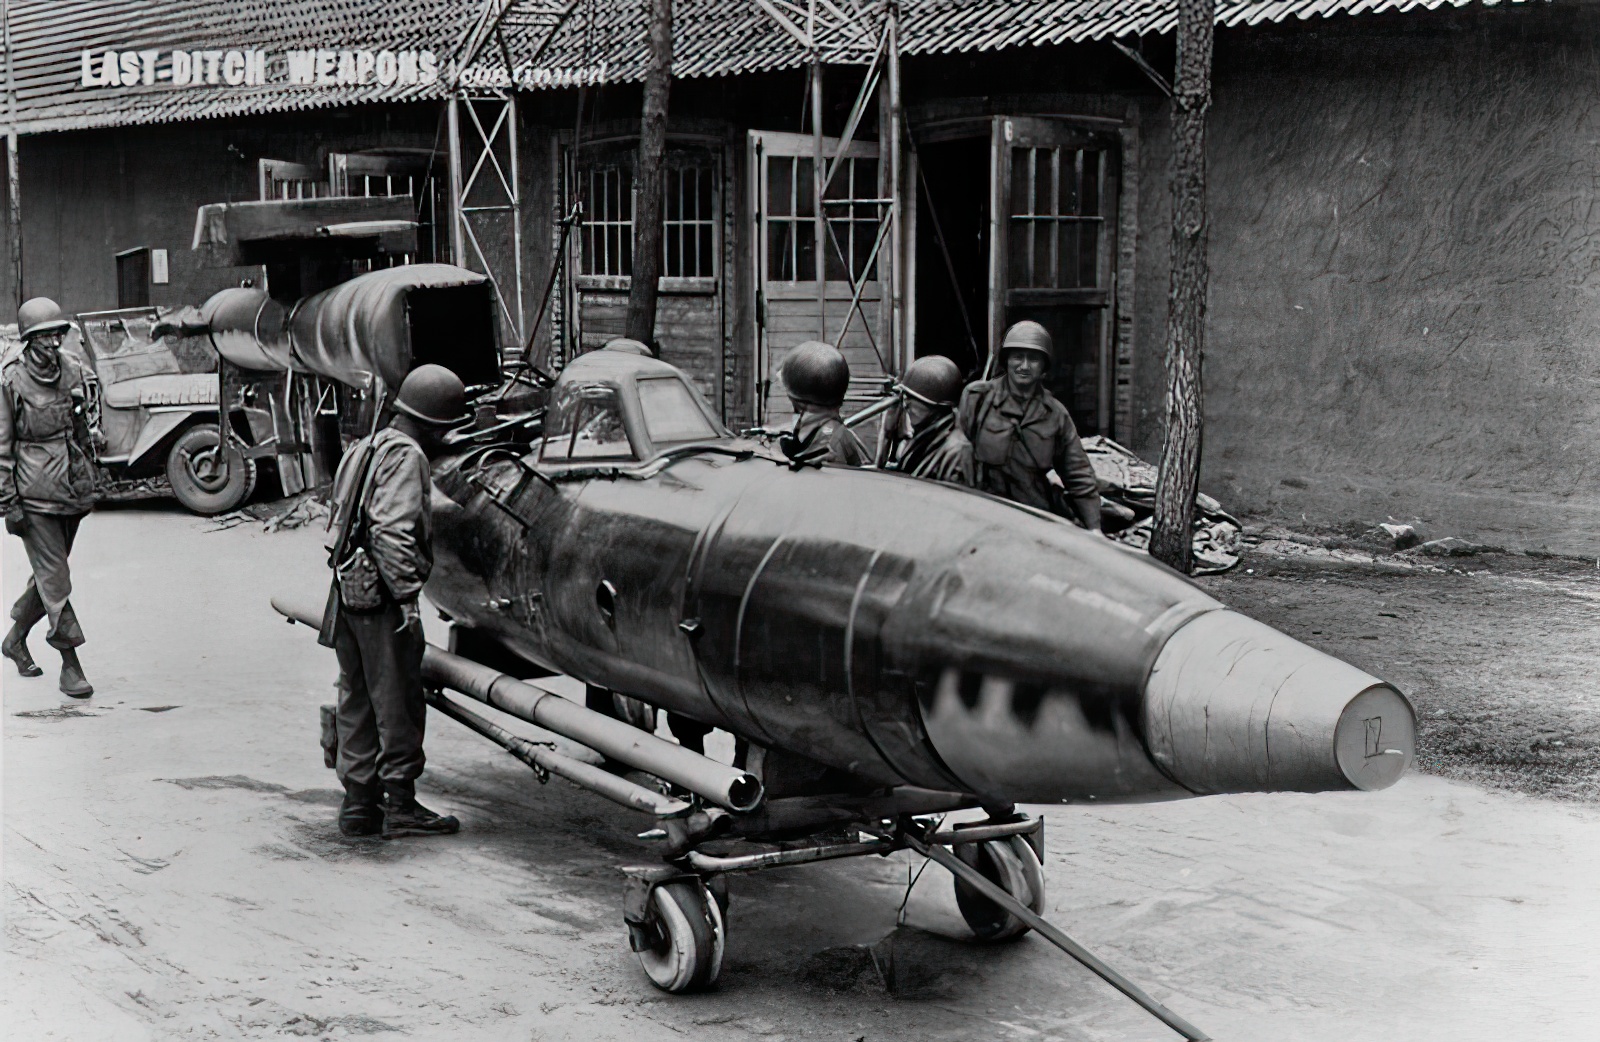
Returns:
(617, 407)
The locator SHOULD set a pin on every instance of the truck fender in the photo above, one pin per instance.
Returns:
(160, 423)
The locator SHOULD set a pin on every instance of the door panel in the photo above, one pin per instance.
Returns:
(791, 308)
(1053, 196)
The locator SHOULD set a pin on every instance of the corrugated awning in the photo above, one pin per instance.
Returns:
(574, 40)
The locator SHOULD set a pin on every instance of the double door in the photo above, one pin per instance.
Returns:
(819, 278)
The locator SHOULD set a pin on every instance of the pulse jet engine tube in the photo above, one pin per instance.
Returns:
(355, 331)
(725, 786)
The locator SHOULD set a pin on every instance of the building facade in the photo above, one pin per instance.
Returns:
(1401, 270)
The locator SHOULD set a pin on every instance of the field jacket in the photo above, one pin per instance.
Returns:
(938, 451)
(46, 463)
(396, 522)
(1016, 443)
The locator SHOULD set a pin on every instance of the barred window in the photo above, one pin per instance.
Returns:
(1056, 223)
(689, 221)
(608, 221)
(853, 210)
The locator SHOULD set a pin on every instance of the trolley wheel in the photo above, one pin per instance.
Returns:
(1010, 864)
(686, 954)
(207, 481)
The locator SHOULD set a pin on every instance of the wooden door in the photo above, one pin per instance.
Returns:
(1053, 198)
(794, 304)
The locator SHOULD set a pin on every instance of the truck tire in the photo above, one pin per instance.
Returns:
(200, 480)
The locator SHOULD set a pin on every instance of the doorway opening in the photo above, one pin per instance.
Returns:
(952, 289)
(1016, 220)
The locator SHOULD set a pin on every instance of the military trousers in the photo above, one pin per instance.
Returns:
(49, 539)
(382, 712)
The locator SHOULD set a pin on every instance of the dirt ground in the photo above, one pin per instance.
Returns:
(172, 870)
(1499, 652)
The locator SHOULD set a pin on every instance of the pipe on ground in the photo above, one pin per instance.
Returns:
(723, 785)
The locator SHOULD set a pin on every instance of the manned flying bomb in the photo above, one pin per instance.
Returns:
(881, 647)
(896, 631)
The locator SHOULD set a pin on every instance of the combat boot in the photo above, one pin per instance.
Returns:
(404, 816)
(15, 648)
(361, 812)
(73, 682)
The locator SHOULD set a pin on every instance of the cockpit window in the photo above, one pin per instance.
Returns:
(585, 423)
(670, 412)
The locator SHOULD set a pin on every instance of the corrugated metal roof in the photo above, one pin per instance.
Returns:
(49, 35)
(596, 40)
(727, 37)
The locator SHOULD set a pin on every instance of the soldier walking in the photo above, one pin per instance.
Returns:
(1020, 432)
(933, 445)
(816, 377)
(382, 555)
(47, 483)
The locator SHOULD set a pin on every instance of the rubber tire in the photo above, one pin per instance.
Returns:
(1011, 864)
(689, 957)
(196, 494)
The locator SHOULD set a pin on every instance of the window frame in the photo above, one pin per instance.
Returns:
(695, 155)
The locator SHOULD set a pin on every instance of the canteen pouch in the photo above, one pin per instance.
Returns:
(360, 588)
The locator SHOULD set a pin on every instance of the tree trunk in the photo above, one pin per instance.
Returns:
(1178, 476)
(647, 182)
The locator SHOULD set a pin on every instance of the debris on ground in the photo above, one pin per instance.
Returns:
(279, 515)
(1404, 537)
(1128, 498)
(1450, 546)
(128, 490)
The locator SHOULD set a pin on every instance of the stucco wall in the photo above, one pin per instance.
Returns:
(1405, 271)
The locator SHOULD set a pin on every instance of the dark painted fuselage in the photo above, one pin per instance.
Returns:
(902, 631)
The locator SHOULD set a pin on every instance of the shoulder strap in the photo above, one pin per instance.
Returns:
(352, 517)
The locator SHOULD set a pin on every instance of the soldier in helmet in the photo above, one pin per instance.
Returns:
(816, 377)
(934, 446)
(382, 492)
(47, 483)
(1020, 433)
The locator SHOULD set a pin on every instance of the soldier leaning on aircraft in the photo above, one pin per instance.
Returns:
(934, 446)
(1020, 432)
(47, 483)
(816, 377)
(382, 553)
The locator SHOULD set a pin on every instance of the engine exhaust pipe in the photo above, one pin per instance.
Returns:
(720, 784)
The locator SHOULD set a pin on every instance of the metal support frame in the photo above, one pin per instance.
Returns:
(477, 173)
(822, 25)
(13, 157)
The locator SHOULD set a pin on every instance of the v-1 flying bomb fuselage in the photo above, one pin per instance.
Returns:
(903, 632)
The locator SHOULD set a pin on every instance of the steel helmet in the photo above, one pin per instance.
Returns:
(935, 380)
(816, 374)
(433, 395)
(1029, 335)
(40, 315)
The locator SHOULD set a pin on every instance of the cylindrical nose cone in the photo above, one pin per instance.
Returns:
(1235, 706)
